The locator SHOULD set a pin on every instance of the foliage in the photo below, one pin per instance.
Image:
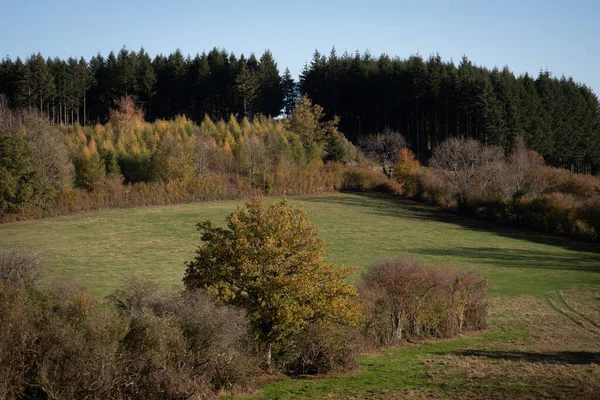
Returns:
(180, 345)
(316, 133)
(269, 262)
(319, 349)
(516, 189)
(20, 181)
(405, 171)
(431, 100)
(62, 343)
(360, 179)
(128, 163)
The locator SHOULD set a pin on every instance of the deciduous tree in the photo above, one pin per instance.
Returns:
(269, 261)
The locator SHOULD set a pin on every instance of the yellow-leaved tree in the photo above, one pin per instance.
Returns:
(269, 261)
(405, 171)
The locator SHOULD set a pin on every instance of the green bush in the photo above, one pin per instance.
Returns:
(20, 181)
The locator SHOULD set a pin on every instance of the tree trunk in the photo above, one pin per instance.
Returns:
(398, 325)
(268, 354)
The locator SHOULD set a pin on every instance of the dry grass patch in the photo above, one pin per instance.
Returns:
(560, 358)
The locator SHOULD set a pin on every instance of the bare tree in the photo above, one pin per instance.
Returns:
(467, 165)
(383, 148)
(522, 171)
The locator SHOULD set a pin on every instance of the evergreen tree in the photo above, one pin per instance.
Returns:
(290, 92)
(269, 98)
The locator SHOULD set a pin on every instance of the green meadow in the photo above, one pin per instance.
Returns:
(544, 301)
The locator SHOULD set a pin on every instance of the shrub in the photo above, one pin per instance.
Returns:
(19, 267)
(563, 181)
(404, 298)
(18, 336)
(552, 213)
(360, 179)
(180, 344)
(76, 352)
(433, 188)
(319, 349)
(495, 207)
(589, 212)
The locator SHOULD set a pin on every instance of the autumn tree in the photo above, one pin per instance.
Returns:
(125, 113)
(269, 262)
(317, 133)
(405, 170)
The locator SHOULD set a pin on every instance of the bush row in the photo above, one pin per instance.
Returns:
(111, 192)
(516, 189)
(63, 343)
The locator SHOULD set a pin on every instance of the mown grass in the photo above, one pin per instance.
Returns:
(544, 336)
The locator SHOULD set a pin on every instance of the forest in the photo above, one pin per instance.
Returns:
(426, 100)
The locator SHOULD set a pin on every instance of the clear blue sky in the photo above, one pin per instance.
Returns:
(527, 35)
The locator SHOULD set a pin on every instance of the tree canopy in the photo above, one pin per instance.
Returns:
(269, 261)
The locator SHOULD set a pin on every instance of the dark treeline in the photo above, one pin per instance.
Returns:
(425, 100)
(430, 100)
(216, 84)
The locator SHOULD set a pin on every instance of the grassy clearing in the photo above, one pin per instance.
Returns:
(101, 249)
(544, 336)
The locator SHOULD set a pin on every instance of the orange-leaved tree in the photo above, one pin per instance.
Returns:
(405, 171)
(269, 261)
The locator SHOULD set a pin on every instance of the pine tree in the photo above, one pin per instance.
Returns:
(246, 86)
(290, 92)
(269, 98)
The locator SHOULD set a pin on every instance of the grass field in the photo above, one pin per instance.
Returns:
(544, 336)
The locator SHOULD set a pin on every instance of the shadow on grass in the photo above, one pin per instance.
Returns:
(562, 357)
(515, 258)
(394, 206)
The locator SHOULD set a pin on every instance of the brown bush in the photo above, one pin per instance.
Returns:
(562, 181)
(360, 179)
(62, 343)
(588, 211)
(553, 213)
(404, 298)
(19, 267)
(181, 344)
(433, 188)
(77, 344)
(18, 338)
(319, 349)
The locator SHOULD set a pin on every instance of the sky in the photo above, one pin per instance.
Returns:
(562, 37)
